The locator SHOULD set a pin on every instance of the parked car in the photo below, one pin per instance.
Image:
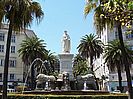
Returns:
(10, 90)
(116, 91)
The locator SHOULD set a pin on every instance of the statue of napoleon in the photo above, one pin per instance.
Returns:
(65, 43)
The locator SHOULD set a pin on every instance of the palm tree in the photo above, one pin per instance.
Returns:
(19, 15)
(114, 13)
(90, 48)
(79, 66)
(90, 5)
(53, 60)
(30, 49)
(114, 58)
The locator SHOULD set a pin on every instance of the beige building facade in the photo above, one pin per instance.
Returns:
(16, 67)
(110, 82)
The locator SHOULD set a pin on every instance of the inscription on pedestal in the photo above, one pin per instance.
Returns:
(66, 63)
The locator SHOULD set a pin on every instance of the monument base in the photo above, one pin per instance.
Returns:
(66, 63)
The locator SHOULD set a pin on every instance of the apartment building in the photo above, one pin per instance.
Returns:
(16, 67)
(110, 82)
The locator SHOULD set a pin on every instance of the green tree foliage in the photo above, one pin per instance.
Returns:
(30, 49)
(53, 60)
(118, 13)
(114, 58)
(79, 66)
(90, 48)
(19, 14)
(109, 12)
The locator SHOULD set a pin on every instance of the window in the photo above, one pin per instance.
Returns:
(2, 36)
(13, 38)
(12, 63)
(131, 47)
(0, 76)
(132, 66)
(12, 49)
(12, 77)
(129, 34)
(1, 62)
(116, 35)
(1, 48)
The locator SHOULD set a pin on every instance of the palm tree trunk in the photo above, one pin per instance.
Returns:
(6, 63)
(126, 64)
(120, 78)
(96, 81)
(91, 63)
(32, 78)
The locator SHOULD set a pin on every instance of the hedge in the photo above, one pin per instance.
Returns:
(67, 97)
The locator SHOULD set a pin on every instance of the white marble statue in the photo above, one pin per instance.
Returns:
(87, 76)
(65, 43)
(44, 78)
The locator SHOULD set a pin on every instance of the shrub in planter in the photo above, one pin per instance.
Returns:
(21, 88)
(66, 97)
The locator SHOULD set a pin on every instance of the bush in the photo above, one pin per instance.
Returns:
(21, 96)
(21, 88)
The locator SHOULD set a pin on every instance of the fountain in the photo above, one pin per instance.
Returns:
(41, 79)
(88, 79)
(65, 81)
(37, 59)
(62, 85)
(85, 86)
(43, 82)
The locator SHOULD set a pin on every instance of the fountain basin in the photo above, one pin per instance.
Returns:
(71, 92)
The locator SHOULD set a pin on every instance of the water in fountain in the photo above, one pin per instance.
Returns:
(46, 86)
(37, 59)
(85, 85)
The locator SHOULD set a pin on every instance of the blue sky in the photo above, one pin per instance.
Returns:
(61, 15)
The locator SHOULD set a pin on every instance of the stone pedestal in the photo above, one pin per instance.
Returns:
(66, 63)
